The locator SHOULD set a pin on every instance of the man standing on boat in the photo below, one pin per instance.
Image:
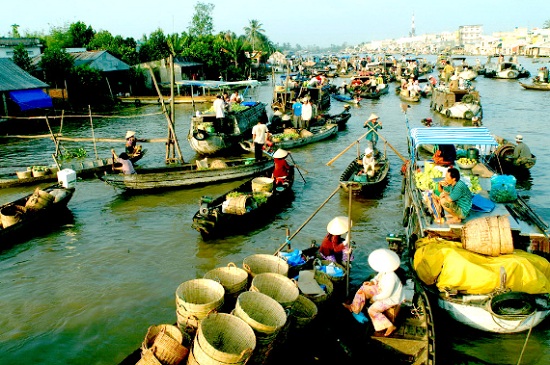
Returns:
(260, 135)
(307, 113)
(297, 112)
(219, 108)
(373, 124)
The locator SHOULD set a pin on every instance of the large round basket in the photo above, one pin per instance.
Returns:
(264, 263)
(232, 278)
(324, 281)
(224, 338)
(165, 341)
(303, 311)
(12, 214)
(279, 287)
(199, 297)
(490, 236)
(262, 185)
(261, 312)
(39, 199)
(148, 358)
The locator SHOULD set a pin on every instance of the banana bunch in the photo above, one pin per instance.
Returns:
(467, 161)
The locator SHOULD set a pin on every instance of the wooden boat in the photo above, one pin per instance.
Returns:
(208, 137)
(406, 96)
(458, 104)
(501, 161)
(347, 98)
(353, 177)
(505, 70)
(497, 301)
(243, 207)
(340, 119)
(202, 172)
(545, 86)
(283, 96)
(315, 134)
(26, 215)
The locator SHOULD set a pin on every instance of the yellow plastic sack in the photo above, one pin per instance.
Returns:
(448, 265)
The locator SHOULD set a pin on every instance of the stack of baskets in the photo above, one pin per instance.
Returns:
(233, 279)
(222, 339)
(195, 299)
(164, 344)
(264, 263)
(277, 286)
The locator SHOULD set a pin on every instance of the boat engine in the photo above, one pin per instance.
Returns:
(396, 242)
(204, 209)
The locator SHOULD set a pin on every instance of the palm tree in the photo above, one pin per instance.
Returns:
(254, 32)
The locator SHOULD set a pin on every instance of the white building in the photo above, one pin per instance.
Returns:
(7, 45)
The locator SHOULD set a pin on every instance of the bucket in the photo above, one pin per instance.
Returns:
(199, 297)
(490, 236)
(165, 341)
(232, 278)
(40, 199)
(262, 263)
(224, 338)
(261, 312)
(473, 153)
(262, 185)
(67, 178)
(24, 174)
(237, 205)
(279, 287)
(12, 214)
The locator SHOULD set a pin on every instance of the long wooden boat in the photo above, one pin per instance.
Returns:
(405, 96)
(507, 233)
(84, 169)
(347, 98)
(208, 137)
(315, 134)
(178, 99)
(188, 175)
(353, 177)
(459, 104)
(500, 161)
(243, 207)
(28, 214)
(340, 119)
(544, 86)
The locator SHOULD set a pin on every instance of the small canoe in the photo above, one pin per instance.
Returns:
(340, 119)
(315, 134)
(544, 86)
(243, 207)
(346, 98)
(355, 179)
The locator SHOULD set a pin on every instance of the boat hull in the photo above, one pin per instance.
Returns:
(366, 186)
(329, 131)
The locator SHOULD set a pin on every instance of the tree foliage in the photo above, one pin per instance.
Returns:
(154, 47)
(202, 23)
(123, 49)
(546, 24)
(56, 64)
(21, 58)
(80, 34)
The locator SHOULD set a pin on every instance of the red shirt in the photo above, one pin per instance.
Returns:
(331, 245)
(281, 169)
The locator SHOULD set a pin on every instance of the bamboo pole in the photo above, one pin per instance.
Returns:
(287, 242)
(346, 149)
(170, 125)
(349, 241)
(389, 144)
(93, 134)
(172, 107)
(60, 137)
(52, 135)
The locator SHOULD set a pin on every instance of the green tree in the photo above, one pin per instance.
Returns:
(59, 37)
(123, 49)
(21, 58)
(155, 47)
(56, 64)
(202, 23)
(15, 31)
(80, 34)
(254, 32)
(546, 24)
(87, 86)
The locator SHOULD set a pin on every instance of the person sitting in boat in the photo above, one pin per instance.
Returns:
(334, 247)
(235, 97)
(126, 166)
(384, 291)
(445, 155)
(522, 153)
(369, 162)
(282, 169)
(454, 197)
(131, 143)
(343, 89)
(374, 124)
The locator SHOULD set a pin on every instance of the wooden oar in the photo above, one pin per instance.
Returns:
(346, 149)
(389, 144)
(294, 162)
(287, 241)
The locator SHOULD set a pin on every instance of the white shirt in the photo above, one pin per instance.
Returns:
(259, 133)
(307, 111)
(218, 108)
(368, 165)
(390, 288)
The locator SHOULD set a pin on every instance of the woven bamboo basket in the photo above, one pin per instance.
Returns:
(261, 312)
(490, 236)
(199, 297)
(39, 199)
(323, 280)
(303, 311)
(148, 358)
(12, 214)
(232, 278)
(279, 287)
(334, 279)
(225, 338)
(165, 341)
(263, 263)
(187, 322)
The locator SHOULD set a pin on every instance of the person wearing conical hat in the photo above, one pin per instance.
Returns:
(373, 124)
(282, 169)
(384, 291)
(334, 247)
(521, 151)
(369, 162)
(130, 142)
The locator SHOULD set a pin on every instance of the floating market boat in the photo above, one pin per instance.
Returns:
(459, 104)
(355, 179)
(28, 214)
(340, 119)
(208, 136)
(242, 207)
(544, 86)
(502, 237)
(203, 172)
(291, 138)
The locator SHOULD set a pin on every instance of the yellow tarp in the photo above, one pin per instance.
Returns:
(448, 265)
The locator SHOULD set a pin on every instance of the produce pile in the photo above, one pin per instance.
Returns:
(424, 179)
(285, 136)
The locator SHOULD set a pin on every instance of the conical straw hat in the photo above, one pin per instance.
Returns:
(130, 134)
(280, 153)
(373, 117)
(338, 226)
(384, 260)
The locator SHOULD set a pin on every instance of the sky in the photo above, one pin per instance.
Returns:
(305, 22)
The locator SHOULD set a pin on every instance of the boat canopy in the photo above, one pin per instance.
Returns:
(476, 136)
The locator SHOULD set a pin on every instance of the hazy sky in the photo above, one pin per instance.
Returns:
(307, 22)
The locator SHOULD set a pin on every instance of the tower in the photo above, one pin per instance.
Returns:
(412, 34)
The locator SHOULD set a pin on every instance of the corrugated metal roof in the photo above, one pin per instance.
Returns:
(100, 60)
(12, 77)
(12, 42)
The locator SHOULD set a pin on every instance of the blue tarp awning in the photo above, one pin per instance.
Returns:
(31, 99)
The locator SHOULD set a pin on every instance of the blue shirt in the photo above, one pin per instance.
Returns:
(297, 109)
(461, 195)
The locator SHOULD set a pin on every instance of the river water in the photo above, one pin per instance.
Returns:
(85, 293)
